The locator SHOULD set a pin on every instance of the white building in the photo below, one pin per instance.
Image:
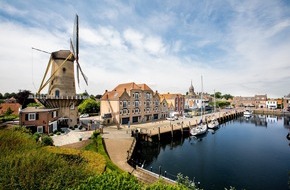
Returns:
(271, 104)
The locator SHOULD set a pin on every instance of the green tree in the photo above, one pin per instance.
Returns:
(227, 96)
(6, 95)
(22, 98)
(1, 96)
(89, 106)
(8, 111)
(218, 95)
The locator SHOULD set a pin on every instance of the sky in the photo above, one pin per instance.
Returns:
(240, 48)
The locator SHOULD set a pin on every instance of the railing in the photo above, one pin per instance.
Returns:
(76, 97)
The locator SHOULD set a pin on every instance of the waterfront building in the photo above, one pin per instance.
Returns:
(190, 99)
(132, 103)
(175, 102)
(271, 104)
(10, 104)
(41, 120)
(286, 102)
(239, 101)
(260, 101)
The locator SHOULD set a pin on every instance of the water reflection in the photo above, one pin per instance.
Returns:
(245, 145)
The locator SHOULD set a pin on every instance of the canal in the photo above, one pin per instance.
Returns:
(245, 153)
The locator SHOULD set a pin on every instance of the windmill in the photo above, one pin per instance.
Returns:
(60, 59)
(61, 82)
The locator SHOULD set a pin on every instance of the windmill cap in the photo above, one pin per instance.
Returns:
(62, 54)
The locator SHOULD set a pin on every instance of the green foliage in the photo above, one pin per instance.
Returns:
(24, 164)
(185, 181)
(8, 111)
(220, 104)
(227, 96)
(8, 118)
(22, 98)
(46, 140)
(89, 106)
(34, 104)
(110, 180)
(161, 185)
(36, 136)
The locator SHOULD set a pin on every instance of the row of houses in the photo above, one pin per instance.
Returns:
(136, 103)
(262, 101)
(130, 103)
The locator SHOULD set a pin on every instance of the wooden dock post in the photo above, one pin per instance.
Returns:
(181, 128)
(158, 133)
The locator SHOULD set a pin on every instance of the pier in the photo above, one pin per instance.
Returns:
(159, 129)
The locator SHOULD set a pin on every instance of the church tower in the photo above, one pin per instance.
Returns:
(191, 90)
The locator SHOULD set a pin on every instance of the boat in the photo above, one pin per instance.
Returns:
(248, 113)
(201, 128)
(213, 124)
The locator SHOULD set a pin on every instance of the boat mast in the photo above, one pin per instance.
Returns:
(201, 109)
(214, 105)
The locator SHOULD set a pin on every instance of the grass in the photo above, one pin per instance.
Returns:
(97, 146)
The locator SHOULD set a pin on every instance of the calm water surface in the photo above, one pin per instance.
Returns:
(245, 153)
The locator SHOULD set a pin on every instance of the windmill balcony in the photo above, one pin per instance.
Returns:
(37, 96)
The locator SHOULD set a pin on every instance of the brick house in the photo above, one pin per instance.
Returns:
(260, 101)
(41, 120)
(131, 103)
(175, 102)
(12, 104)
(286, 102)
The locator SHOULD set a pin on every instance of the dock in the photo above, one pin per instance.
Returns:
(157, 130)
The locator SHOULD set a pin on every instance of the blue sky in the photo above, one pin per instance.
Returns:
(240, 47)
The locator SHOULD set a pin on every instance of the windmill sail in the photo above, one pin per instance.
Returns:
(75, 50)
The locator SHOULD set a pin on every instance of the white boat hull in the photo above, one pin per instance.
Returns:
(213, 124)
(199, 130)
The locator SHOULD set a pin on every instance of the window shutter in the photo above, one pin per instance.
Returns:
(37, 116)
(26, 117)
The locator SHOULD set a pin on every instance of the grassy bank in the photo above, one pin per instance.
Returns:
(27, 164)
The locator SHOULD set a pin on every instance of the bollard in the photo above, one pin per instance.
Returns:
(151, 168)
(164, 173)
(159, 170)
(159, 133)
(198, 184)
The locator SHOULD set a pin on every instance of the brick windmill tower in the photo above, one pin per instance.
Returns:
(61, 82)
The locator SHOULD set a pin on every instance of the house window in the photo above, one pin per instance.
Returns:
(57, 93)
(124, 104)
(72, 106)
(31, 116)
(40, 129)
(54, 114)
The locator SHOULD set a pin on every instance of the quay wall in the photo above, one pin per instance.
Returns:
(159, 131)
(271, 112)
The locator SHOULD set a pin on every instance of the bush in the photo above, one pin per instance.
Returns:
(25, 165)
(47, 140)
(36, 136)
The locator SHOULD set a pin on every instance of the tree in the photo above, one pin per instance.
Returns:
(8, 111)
(227, 96)
(1, 96)
(89, 106)
(22, 98)
(6, 95)
(218, 95)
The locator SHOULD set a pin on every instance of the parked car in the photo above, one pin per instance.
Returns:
(170, 118)
(84, 115)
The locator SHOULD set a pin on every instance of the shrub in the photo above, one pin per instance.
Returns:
(25, 165)
(36, 136)
(46, 140)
